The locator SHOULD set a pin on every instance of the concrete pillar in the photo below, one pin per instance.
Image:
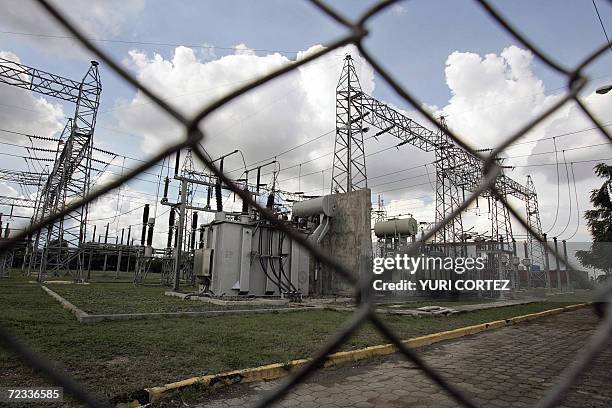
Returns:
(349, 240)
(567, 266)
(558, 269)
(546, 262)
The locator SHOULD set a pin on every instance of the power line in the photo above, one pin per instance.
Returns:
(513, 146)
(421, 165)
(50, 139)
(402, 188)
(577, 205)
(558, 188)
(569, 194)
(116, 215)
(575, 161)
(153, 43)
(602, 24)
(24, 157)
(607, 124)
(532, 165)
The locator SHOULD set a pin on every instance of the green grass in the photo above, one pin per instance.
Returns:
(95, 276)
(112, 298)
(124, 356)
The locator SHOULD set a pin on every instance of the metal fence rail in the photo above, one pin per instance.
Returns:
(356, 31)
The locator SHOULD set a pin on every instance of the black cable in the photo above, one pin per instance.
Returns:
(281, 238)
(264, 265)
(271, 261)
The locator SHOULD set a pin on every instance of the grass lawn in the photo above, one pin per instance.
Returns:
(124, 356)
(95, 276)
(111, 298)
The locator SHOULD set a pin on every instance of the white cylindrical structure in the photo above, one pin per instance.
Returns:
(403, 227)
(325, 205)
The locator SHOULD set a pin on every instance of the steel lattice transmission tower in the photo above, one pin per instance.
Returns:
(458, 171)
(349, 170)
(61, 243)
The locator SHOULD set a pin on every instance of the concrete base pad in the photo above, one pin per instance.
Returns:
(221, 302)
(62, 282)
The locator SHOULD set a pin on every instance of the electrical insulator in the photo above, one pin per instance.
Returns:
(150, 235)
(245, 203)
(270, 202)
(194, 220)
(171, 218)
(145, 218)
(177, 163)
(166, 184)
(201, 236)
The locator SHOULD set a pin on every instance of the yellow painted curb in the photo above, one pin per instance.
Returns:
(278, 370)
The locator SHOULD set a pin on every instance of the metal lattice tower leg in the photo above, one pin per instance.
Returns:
(501, 228)
(447, 199)
(448, 194)
(349, 170)
(381, 215)
(534, 246)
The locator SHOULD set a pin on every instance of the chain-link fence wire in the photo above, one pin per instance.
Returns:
(356, 31)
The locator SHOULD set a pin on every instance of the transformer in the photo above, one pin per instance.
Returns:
(249, 257)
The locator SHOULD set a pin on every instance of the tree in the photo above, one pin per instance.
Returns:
(599, 221)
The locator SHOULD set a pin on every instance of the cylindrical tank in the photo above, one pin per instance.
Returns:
(321, 205)
(404, 226)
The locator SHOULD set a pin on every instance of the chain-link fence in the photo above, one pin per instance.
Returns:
(356, 31)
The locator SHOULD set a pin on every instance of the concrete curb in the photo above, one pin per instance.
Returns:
(454, 310)
(90, 319)
(220, 302)
(80, 315)
(86, 318)
(278, 370)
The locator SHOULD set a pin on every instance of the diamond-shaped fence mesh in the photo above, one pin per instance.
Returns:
(194, 139)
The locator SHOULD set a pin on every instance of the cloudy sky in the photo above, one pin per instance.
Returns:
(449, 54)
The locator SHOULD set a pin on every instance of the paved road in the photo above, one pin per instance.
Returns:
(508, 367)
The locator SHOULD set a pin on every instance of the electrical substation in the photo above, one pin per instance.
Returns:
(212, 251)
(323, 204)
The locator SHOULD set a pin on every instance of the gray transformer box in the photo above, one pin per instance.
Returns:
(242, 258)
